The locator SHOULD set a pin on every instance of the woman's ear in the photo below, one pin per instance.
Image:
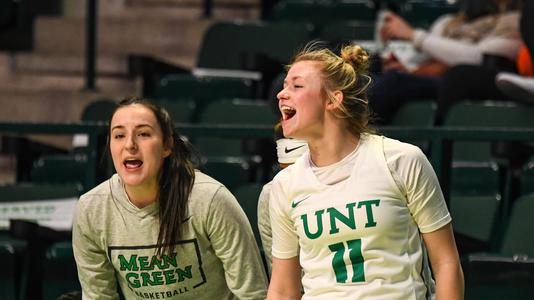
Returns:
(335, 100)
(166, 152)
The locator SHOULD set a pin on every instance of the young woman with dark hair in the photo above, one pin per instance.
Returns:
(159, 228)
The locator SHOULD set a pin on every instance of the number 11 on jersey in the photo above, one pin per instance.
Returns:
(356, 259)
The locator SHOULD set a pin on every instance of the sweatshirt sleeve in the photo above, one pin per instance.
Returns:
(95, 272)
(454, 52)
(502, 41)
(233, 242)
(264, 224)
(285, 240)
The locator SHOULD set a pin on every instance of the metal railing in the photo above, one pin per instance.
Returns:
(441, 139)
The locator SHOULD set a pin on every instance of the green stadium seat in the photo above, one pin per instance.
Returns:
(527, 177)
(488, 114)
(37, 202)
(59, 271)
(421, 113)
(239, 112)
(59, 168)
(178, 87)
(9, 274)
(323, 12)
(232, 112)
(230, 171)
(180, 111)
(99, 110)
(225, 44)
(236, 60)
(340, 33)
(496, 277)
(247, 195)
(421, 13)
(218, 147)
(518, 238)
(30, 191)
(509, 273)
(71, 167)
(474, 204)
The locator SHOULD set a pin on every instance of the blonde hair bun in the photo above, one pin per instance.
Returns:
(356, 56)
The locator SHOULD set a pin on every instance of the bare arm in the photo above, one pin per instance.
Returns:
(396, 27)
(445, 263)
(285, 281)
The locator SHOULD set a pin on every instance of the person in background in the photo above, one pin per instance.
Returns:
(160, 228)
(288, 151)
(492, 82)
(359, 215)
(482, 29)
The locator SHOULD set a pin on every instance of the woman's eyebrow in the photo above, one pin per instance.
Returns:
(136, 126)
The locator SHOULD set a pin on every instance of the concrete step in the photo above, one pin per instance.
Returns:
(61, 82)
(178, 3)
(52, 98)
(121, 36)
(45, 106)
(221, 9)
(51, 63)
(180, 9)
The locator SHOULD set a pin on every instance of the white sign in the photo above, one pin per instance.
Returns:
(54, 213)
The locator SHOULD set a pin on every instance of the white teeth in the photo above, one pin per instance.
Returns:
(286, 108)
(287, 112)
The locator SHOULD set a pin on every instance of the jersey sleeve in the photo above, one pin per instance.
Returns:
(285, 238)
(264, 224)
(95, 272)
(234, 244)
(418, 182)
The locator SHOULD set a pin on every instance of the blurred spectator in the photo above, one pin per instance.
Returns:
(413, 67)
(489, 81)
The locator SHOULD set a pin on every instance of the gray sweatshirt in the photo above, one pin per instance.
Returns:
(115, 242)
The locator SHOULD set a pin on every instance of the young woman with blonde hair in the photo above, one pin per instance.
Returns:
(358, 213)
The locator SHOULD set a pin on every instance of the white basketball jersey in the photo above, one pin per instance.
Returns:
(360, 238)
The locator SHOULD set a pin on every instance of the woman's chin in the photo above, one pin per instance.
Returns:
(288, 129)
(131, 179)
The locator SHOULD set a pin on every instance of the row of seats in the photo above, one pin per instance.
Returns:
(420, 13)
(33, 266)
(510, 270)
(485, 177)
(477, 199)
(466, 155)
(59, 274)
(480, 180)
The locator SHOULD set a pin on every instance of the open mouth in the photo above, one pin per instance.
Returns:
(287, 112)
(131, 164)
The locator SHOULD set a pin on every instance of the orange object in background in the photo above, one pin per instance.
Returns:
(524, 62)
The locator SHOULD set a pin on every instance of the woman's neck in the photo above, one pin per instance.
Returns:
(332, 146)
(142, 196)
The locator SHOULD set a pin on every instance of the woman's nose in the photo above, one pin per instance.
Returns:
(282, 95)
(131, 143)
